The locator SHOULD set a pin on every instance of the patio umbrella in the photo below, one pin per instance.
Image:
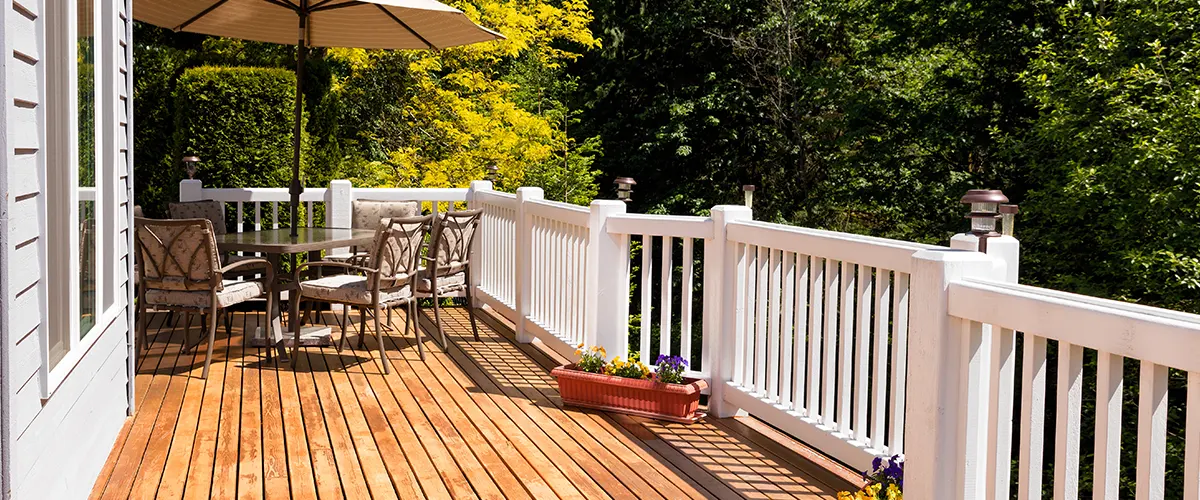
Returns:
(367, 24)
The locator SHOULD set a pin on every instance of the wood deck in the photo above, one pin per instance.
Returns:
(482, 419)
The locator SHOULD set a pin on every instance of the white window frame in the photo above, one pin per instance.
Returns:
(60, 216)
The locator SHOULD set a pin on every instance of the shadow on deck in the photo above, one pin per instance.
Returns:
(482, 419)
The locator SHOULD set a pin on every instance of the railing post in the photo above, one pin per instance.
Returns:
(191, 190)
(606, 299)
(524, 247)
(946, 421)
(476, 274)
(720, 309)
(338, 210)
(1002, 354)
(1005, 248)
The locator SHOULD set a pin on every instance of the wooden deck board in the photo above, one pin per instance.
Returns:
(481, 419)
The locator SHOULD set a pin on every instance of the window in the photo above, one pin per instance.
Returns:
(80, 182)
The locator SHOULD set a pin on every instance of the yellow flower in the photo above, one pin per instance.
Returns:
(845, 495)
(893, 493)
(578, 352)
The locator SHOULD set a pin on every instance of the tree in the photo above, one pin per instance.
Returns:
(1117, 180)
(438, 119)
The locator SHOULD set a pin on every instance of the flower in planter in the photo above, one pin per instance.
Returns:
(670, 369)
(885, 480)
(634, 368)
(591, 359)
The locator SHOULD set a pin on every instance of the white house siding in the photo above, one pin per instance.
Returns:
(55, 447)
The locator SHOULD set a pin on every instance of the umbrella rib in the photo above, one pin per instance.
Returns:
(202, 13)
(285, 4)
(405, 25)
(318, 5)
(321, 6)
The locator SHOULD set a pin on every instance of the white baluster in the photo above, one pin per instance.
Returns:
(664, 299)
(862, 358)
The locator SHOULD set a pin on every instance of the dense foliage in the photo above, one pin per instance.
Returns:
(239, 121)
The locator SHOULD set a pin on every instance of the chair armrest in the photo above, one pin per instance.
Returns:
(253, 263)
(327, 263)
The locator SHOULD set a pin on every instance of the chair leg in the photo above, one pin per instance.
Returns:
(143, 324)
(294, 322)
(212, 335)
(342, 342)
(308, 309)
(266, 326)
(412, 317)
(228, 322)
(187, 324)
(387, 366)
(362, 327)
(437, 318)
(391, 326)
(471, 313)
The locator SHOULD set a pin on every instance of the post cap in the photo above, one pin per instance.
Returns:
(1010, 209)
(191, 159)
(625, 180)
(984, 196)
(749, 187)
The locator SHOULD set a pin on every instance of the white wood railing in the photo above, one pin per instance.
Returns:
(497, 239)
(819, 343)
(859, 346)
(967, 331)
(667, 229)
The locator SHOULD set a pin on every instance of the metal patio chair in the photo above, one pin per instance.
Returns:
(382, 279)
(181, 271)
(448, 263)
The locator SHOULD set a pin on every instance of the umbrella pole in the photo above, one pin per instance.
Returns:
(301, 55)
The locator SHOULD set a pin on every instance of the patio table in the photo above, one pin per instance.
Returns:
(274, 243)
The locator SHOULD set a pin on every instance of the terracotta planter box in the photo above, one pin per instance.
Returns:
(645, 398)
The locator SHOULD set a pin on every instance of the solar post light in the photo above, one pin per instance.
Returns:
(625, 188)
(189, 163)
(985, 211)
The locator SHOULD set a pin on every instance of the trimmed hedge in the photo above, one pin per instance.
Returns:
(239, 121)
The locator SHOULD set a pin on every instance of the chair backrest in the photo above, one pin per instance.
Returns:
(397, 248)
(212, 210)
(450, 243)
(177, 254)
(366, 214)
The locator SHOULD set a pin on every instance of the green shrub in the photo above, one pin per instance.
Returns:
(239, 121)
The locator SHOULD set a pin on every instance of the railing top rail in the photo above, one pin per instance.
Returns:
(260, 194)
(409, 194)
(559, 211)
(1160, 336)
(679, 226)
(866, 250)
(500, 198)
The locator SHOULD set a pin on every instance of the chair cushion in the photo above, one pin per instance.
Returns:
(234, 292)
(368, 213)
(349, 289)
(443, 282)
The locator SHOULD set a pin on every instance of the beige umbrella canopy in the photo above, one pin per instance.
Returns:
(367, 24)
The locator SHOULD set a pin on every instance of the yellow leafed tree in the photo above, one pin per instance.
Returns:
(459, 110)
